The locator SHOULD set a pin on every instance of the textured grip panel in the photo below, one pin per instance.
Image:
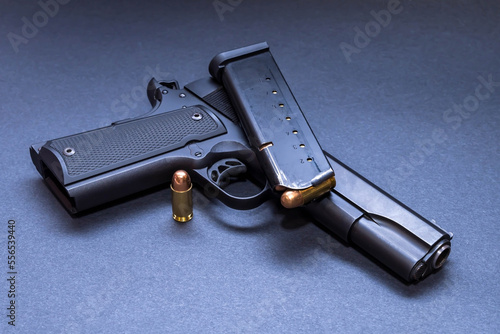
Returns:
(121, 144)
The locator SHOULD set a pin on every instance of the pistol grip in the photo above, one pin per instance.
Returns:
(98, 166)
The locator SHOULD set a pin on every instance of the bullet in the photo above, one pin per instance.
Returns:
(182, 197)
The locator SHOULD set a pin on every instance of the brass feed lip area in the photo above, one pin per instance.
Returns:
(294, 198)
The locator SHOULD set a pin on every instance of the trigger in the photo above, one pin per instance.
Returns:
(222, 171)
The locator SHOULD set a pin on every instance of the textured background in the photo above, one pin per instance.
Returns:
(130, 269)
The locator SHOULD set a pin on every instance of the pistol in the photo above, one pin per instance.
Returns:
(181, 131)
(242, 123)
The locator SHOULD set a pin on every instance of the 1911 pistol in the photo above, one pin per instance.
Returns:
(197, 129)
(181, 131)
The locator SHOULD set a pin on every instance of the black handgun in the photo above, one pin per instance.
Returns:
(198, 129)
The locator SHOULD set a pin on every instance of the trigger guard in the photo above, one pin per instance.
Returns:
(239, 203)
(221, 172)
(212, 190)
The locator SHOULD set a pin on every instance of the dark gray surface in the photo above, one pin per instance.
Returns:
(130, 269)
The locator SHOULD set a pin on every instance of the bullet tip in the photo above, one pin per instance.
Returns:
(181, 181)
(291, 199)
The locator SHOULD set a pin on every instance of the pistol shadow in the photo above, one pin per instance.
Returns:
(114, 213)
(291, 248)
(240, 222)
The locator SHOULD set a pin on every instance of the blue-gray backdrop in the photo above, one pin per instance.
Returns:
(377, 80)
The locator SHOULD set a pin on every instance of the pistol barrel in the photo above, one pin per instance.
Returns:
(364, 215)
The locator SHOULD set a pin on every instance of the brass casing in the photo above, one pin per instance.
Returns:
(182, 204)
(294, 198)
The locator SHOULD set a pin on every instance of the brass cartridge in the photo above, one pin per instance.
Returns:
(182, 197)
(294, 198)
